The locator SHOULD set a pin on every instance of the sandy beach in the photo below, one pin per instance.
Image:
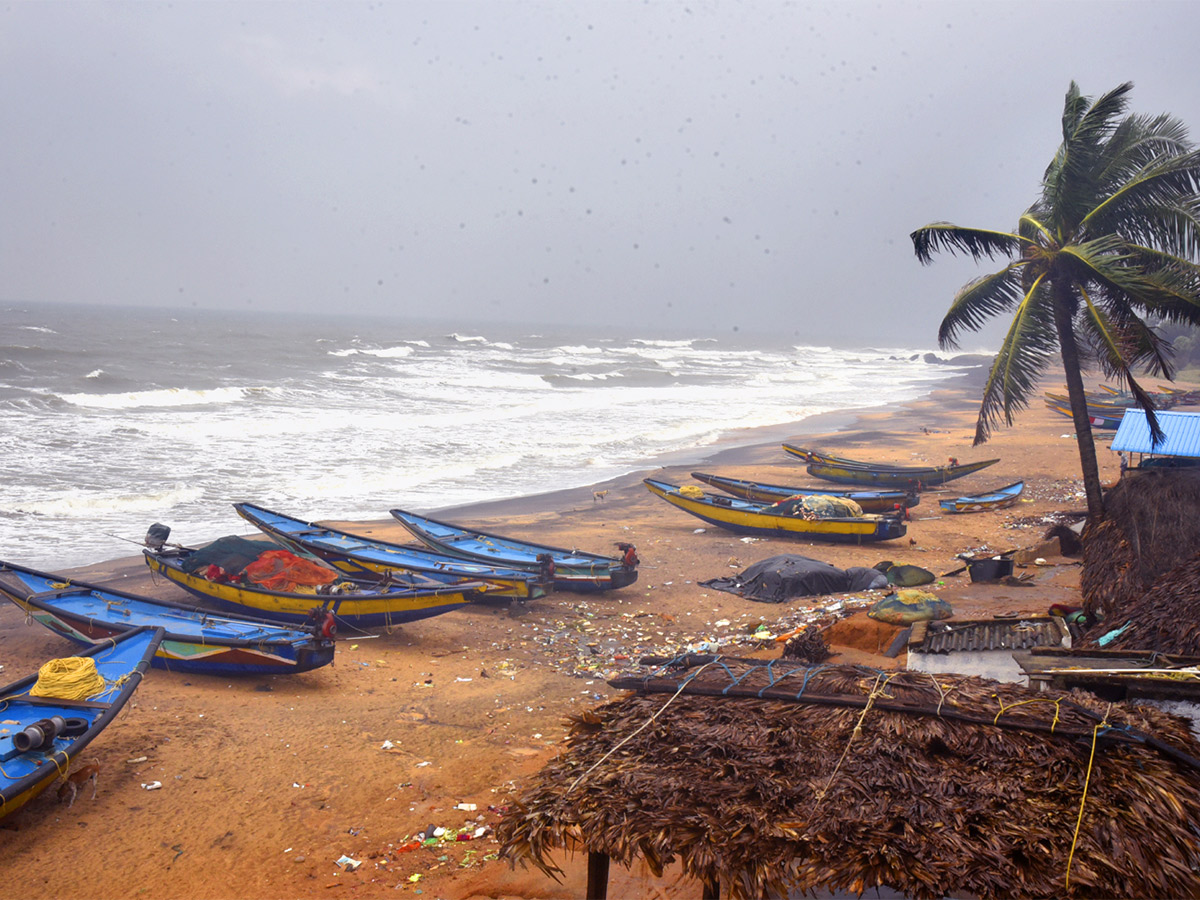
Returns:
(268, 783)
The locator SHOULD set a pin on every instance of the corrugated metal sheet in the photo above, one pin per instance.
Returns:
(991, 634)
(1181, 428)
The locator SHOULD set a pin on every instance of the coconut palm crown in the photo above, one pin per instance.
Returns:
(1109, 248)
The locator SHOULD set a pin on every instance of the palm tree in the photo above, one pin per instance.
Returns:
(1109, 247)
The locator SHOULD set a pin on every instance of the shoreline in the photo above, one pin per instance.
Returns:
(268, 781)
(738, 446)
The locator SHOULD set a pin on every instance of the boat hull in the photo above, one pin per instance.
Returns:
(195, 641)
(747, 517)
(868, 501)
(365, 609)
(574, 570)
(25, 774)
(997, 499)
(847, 471)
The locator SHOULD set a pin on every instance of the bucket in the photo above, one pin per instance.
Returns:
(990, 569)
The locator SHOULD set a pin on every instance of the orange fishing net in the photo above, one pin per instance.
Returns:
(279, 570)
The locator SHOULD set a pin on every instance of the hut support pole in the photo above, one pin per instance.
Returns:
(712, 889)
(597, 876)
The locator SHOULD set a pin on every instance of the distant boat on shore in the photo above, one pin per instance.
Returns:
(849, 471)
(868, 501)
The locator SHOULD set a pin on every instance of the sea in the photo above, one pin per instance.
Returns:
(115, 418)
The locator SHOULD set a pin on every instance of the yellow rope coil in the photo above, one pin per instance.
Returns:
(73, 678)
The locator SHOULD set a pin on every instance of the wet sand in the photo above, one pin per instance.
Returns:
(268, 782)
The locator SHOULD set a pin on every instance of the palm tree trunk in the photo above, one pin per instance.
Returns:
(1075, 391)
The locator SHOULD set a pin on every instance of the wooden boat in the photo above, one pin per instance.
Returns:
(997, 499)
(1098, 418)
(352, 603)
(868, 501)
(850, 471)
(368, 559)
(196, 640)
(572, 570)
(40, 736)
(748, 517)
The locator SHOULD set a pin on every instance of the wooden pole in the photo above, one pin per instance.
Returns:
(597, 876)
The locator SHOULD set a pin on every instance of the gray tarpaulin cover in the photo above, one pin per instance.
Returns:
(780, 578)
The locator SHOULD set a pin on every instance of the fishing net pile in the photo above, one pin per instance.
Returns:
(816, 506)
(235, 558)
(780, 777)
(778, 579)
(1149, 528)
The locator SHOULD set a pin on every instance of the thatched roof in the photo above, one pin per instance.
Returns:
(1149, 528)
(1166, 618)
(953, 785)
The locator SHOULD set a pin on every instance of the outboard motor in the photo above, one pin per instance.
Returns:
(546, 562)
(629, 554)
(40, 735)
(322, 622)
(157, 536)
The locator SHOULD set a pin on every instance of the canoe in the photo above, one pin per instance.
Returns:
(749, 517)
(41, 736)
(368, 559)
(997, 499)
(868, 501)
(572, 570)
(1098, 418)
(849, 471)
(354, 603)
(195, 640)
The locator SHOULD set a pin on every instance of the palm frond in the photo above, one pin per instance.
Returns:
(1024, 354)
(977, 242)
(979, 300)
(1166, 182)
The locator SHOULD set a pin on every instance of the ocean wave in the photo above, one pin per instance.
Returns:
(81, 505)
(162, 397)
(382, 352)
(467, 338)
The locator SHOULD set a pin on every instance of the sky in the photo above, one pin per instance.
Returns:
(694, 167)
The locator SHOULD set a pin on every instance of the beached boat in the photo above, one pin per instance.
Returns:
(848, 471)
(997, 499)
(868, 501)
(41, 734)
(361, 604)
(748, 517)
(1098, 418)
(196, 640)
(572, 570)
(369, 559)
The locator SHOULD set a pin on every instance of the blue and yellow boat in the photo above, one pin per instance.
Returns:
(368, 559)
(42, 733)
(355, 603)
(748, 517)
(849, 471)
(570, 570)
(868, 501)
(196, 640)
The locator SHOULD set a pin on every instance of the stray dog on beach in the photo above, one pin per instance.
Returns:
(598, 495)
(77, 779)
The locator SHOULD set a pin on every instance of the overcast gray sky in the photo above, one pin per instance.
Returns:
(698, 166)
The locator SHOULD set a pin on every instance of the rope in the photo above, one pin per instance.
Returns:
(877, 690)
(1083, 799)
(73, 678)
(1004, 709)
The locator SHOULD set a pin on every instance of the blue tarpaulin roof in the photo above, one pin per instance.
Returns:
(1181, 428)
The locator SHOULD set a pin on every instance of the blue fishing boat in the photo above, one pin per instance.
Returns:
(572, 570)
(195, 640)
(370, 559)
(997, 499)
(42, 732)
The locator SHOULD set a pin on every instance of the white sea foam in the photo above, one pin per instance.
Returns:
(164, 397)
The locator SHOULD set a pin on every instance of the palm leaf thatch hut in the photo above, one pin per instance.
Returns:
(760, 777)
(1149, 528)
(1165, 619)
